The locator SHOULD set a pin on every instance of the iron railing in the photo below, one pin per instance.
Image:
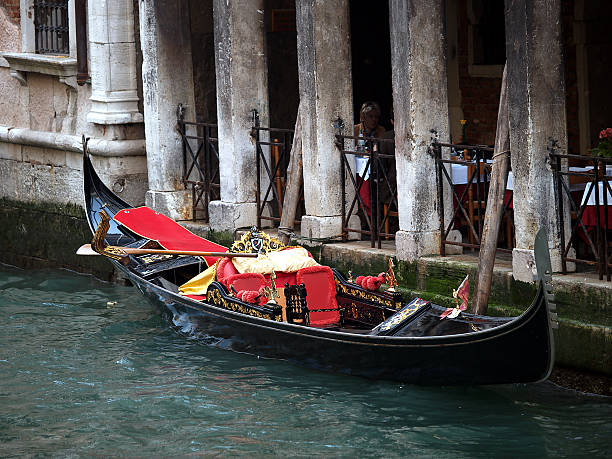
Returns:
(470, 196)
(586, 186)
(51, 27)
(274, 162)
(200, 164)
(372, 180)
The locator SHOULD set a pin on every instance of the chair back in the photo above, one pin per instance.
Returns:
(297, 312)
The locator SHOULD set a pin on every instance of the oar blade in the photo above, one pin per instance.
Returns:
(86, 249)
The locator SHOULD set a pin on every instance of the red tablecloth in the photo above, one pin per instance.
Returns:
(589, 217)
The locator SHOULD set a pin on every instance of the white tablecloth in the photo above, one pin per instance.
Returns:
(591, 201)
(360, 167)
(459, 174)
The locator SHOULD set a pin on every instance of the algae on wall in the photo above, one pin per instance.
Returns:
(47, 235)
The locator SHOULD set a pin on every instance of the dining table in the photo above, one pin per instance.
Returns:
(589, 201)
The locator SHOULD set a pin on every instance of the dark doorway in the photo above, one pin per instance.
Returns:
(283, 84)
(371, 56)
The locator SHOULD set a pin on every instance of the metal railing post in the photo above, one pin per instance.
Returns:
(438, 158)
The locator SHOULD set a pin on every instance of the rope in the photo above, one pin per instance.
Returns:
(505, 152)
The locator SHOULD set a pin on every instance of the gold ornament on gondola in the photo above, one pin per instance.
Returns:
(391, 281)
(271, 293)
(98, 243)
(255, 241)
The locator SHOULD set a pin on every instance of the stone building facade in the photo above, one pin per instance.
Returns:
(435, 63)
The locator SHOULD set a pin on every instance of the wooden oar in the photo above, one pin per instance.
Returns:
(86, 249)
(98, 245)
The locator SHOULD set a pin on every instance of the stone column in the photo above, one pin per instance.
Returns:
(167, 78)
(242, 85)
(114, 90)
(326, 93)
(536, 98)
(420, 101)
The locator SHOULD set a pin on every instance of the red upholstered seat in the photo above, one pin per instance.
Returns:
(225, 269)
(245, 281)
(169, 234)
(281, 279)
(320, 294)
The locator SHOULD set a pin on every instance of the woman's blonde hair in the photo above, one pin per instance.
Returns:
(367, 107)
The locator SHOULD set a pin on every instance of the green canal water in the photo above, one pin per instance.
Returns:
(88, 369)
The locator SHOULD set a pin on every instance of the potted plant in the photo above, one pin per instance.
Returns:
(604, 147)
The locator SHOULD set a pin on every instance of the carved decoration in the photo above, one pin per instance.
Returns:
(382, 299)
(255, 241)
(215, 297)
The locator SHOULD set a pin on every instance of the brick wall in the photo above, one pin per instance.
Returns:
(11, 9)
(480, 96)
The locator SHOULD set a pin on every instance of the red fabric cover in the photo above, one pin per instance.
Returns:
(252, 296)
(371, 282)
(225, 269)
(281, 279)
(196, 297)
(589, 217)
(320, 294)
(155, 226)
(245, 281)
(364, 193)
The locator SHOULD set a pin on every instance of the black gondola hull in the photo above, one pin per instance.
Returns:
(519, 350)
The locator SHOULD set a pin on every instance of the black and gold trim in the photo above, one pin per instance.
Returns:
(218, 295)
(348, 289)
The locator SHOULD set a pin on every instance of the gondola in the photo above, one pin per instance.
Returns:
(369, 333)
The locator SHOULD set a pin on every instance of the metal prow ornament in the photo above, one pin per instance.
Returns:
(271, 293)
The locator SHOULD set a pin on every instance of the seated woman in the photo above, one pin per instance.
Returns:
(369, 116)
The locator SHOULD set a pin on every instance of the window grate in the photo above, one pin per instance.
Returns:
(51, 27)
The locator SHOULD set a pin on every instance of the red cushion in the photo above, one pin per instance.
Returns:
(245, 281)
(155, 226)
(320, 294)
(225, 269)
(281, 279)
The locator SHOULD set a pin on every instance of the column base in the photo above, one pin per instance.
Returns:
(524, 267)
(175, 204)
(409, 246)
(314, 227)
(229, 216)
(455, 236)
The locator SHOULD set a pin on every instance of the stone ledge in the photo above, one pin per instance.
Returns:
(64, 67)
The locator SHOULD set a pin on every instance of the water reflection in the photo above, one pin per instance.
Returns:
(80, 378)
